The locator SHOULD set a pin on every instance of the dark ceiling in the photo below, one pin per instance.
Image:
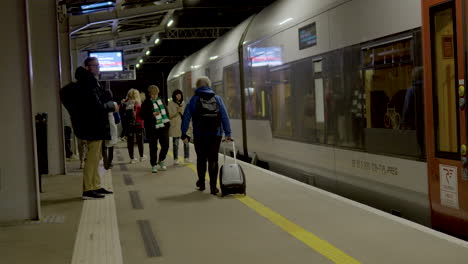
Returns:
(223, 14)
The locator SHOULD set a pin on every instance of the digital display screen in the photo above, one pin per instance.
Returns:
(307, 36)
(263, 56)
(108, 60)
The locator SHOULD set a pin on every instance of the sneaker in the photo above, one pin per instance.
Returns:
(154, 169)
(176, 162)
(143, 158)
(187, 161)
(133, 161)
(162, 166)
(92, 195)
(103, 191)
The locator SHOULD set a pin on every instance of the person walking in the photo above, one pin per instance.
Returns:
(210, 121)
(157, 123)
(134, 124)
(176, 109)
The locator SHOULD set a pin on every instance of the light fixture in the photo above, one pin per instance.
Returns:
(97, 5)
(147, 52)
(286, 20)
(156, 41)
(138, 65)
(213, 57)
(140, 61)
(170, 22)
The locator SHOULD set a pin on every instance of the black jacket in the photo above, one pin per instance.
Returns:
(92, 121)
(146, 113)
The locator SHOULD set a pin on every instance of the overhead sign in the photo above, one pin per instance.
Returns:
(448, 186)
(118, 76)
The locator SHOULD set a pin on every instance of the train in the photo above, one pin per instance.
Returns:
(335, 94)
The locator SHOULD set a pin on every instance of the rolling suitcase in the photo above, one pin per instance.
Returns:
(231, 176)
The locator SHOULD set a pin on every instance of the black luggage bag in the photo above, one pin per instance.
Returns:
(231, 176)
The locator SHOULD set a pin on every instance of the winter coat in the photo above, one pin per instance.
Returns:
(92, 121)
(146, 112)
(175, 114)
(190, 111)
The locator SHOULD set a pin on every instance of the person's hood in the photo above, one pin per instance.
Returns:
(204, 90)
(81, 73)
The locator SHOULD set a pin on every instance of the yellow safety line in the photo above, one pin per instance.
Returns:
(311, 240)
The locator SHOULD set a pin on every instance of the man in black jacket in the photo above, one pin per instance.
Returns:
(91, 123)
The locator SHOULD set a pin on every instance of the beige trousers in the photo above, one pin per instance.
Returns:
(91, 179)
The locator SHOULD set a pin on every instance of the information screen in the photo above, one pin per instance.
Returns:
(307, 36)
(109, 60)
(262, 56)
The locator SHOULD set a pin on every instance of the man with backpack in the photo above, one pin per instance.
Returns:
(88, 106)
(210, 120)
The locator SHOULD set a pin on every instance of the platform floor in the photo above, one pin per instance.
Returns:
(161, 218)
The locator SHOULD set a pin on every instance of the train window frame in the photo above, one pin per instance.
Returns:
(443, 154)
(373, 135)
(233, 111)
(271, 83)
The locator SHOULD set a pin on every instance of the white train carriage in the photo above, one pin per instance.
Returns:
(331, 93)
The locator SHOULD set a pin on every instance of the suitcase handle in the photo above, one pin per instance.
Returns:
(233, 148)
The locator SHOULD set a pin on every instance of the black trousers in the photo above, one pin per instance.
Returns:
(107, 155)
(160, 135)
(68, 132)
(207, 149)
(131, 137)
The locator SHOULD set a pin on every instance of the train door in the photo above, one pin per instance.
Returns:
(444, 46)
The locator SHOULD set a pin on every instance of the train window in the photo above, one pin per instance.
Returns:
(218, 88)
(256, 89)
(392, 82)
(232, 91)
(282, 101)
(444, 81)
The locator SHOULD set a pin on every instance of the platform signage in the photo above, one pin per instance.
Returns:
(448, 186)
(118, 75)
(307, 36)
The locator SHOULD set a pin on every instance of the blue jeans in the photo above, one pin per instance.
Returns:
(175, 148)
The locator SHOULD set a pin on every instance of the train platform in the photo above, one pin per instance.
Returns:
(161, 218)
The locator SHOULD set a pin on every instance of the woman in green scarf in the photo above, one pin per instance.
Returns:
(157, 123)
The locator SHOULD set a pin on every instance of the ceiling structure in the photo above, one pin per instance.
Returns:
(140, 27)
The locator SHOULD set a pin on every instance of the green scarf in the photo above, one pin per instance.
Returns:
(162, 118)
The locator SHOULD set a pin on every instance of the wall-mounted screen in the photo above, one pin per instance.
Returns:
(263, 56)
(307, 36)
(109, 60)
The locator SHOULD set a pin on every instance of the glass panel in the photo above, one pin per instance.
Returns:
(391, 102)
(255, 91)
(353, 106)
(444, 76)
(218, 88)
(304, 102)
(386, 90)
(232, 96)
(282, 103)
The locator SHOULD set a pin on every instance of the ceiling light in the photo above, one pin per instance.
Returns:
(141, 61)
(156, 41)
(170, 22)
(213, 57)
(97, 5)
(138, 65)
(147, 52)
(286, 20)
